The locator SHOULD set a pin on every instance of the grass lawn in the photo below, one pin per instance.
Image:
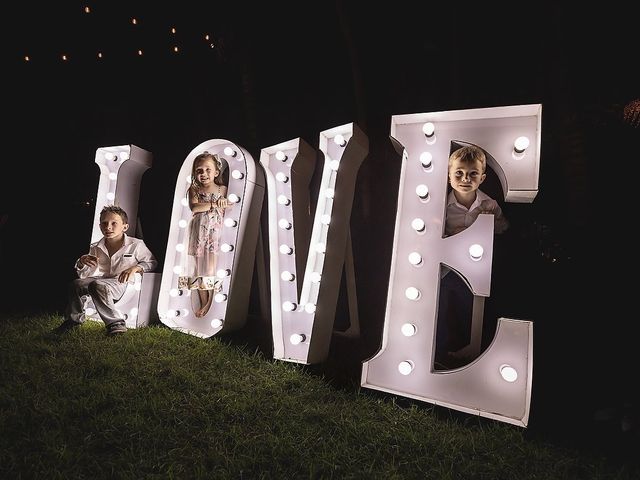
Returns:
(156, 403)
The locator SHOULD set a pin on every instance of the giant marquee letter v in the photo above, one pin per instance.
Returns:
(304, 300)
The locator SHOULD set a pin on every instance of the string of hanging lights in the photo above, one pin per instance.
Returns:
(135, 36)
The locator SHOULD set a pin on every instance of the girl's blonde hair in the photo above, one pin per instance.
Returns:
(201, 158)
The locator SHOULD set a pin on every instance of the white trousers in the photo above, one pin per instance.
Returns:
(103, 291)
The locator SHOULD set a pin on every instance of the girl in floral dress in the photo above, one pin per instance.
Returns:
(207, 200)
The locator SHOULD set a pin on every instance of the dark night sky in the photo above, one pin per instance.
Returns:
(293, 70)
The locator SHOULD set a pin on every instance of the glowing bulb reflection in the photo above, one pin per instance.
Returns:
(408, 329)
(406, 367)
(508, 373)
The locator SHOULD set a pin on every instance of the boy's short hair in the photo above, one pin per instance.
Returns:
(469, 154)
(115, 209)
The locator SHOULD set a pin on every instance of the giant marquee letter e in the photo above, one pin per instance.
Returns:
(497, 384)
(304, 300)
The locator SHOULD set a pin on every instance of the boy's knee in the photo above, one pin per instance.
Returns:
(97, 289)
(76, 285)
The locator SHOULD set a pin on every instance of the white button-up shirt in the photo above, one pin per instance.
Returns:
(134, 252)
(459, 217)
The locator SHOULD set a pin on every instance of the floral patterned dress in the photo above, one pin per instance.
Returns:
(204, 233)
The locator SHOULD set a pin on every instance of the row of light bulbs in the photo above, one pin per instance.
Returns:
(520, 144)
(286, 237)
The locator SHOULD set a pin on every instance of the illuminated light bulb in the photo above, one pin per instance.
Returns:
(428, 129)
(89, 311)
(184, 202)
(223, 273)
(175, 49)
(287, 276)
(418, 225)
(230, 222)
(27, 58)
(64, 58)
(174, 292)
(183, 223)
(99, 54)
(172, 313)
(133, 312)
(339, 140)
(226, 248)
(111, 196)
(426, 159)
(325, 219)
(124, 156)
(230, 151)
(237, 174)
(286, 249)
(475, 252)
(87, 10)
(508, 373)
(289, 306)
(412, 293)
(177, 269)
(521, 144)
(280, 155)
(297, 338)
(283, 200)
(113, 176)
(109, 156)
(334, 164)
(284, 224)
(422, 191)
(415, 258)
(406, 367)
(329, 192)
(281, 177)
(233, 198)
(139, 53)
(321, 247)
(216, 323)
(315, 277)
(134, 21)
(408, 329)
(310, 308)
(180, 247)
(173, 29)
(220, 297)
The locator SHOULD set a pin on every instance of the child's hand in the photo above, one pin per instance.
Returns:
(89, 260)
(128, 274)
(488, 206)
(223, 202)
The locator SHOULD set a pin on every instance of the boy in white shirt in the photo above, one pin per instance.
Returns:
(467, 170)
(104, 272)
